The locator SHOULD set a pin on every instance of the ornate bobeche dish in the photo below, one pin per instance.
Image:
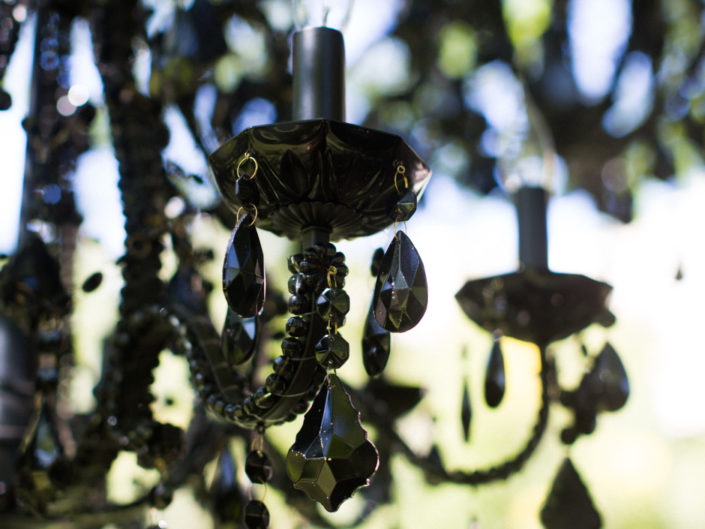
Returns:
(319, 173)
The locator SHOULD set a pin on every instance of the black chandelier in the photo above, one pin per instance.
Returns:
(314, 180)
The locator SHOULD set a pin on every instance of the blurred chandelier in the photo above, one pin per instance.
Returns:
(315, 180)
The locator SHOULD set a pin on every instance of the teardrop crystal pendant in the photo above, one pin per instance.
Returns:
(331, 456)
(225, 490)
(239, 338)
(495, 380)
(401, 292)
(376, 345)
(465, 412)
(243, 270)
(568, 504)
(609, 380)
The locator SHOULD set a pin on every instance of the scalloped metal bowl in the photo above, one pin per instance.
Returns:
(320, 173)
(539, 307)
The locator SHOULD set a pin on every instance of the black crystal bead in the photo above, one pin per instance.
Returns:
(331, 456)
(297, 304)
(243, 270)
(401, 292)
(275, 384)
(333, 304)
(256, 515)
(292, 347)
(376, 346)
(297, 284)
(161, 496)
(405, 207)
(332, 351)
(239, 338)
(258, 467)
(296, 326)
(294, 262)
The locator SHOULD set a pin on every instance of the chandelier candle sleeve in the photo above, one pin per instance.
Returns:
(531, 204)
(319, 74)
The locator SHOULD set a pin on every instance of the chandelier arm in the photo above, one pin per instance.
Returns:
(435, 472)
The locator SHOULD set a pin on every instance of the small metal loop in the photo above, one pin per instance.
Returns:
(242, 161)
(239, 211)
(401, 171)
(332, 270)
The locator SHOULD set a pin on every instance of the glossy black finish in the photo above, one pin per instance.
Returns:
(401, 293)
(495, 379)
(536, 306)
(531, 205)
(568, 504)
(244, 281)
(332, 351)
(256, 515)
(258, 467)
(318, 74)
(376, 345)
(320, 174)
(331, 456)
(239, 338)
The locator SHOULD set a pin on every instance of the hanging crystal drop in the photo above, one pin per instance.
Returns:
(226, 494)
(401, 292)
(239, 338)
(376, 345)
(331, 456)
(568, 504)
(495, 380)
(243, 270)
(466, 412)
(609, 381)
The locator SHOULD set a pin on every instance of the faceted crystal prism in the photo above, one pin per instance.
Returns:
(401, 292)
(331, 456)
(376, 346)
(568, 504)
(495, 379)
(239, 338)
(243, 270)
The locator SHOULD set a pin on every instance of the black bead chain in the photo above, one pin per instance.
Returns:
(259, 471)
(297, 374)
